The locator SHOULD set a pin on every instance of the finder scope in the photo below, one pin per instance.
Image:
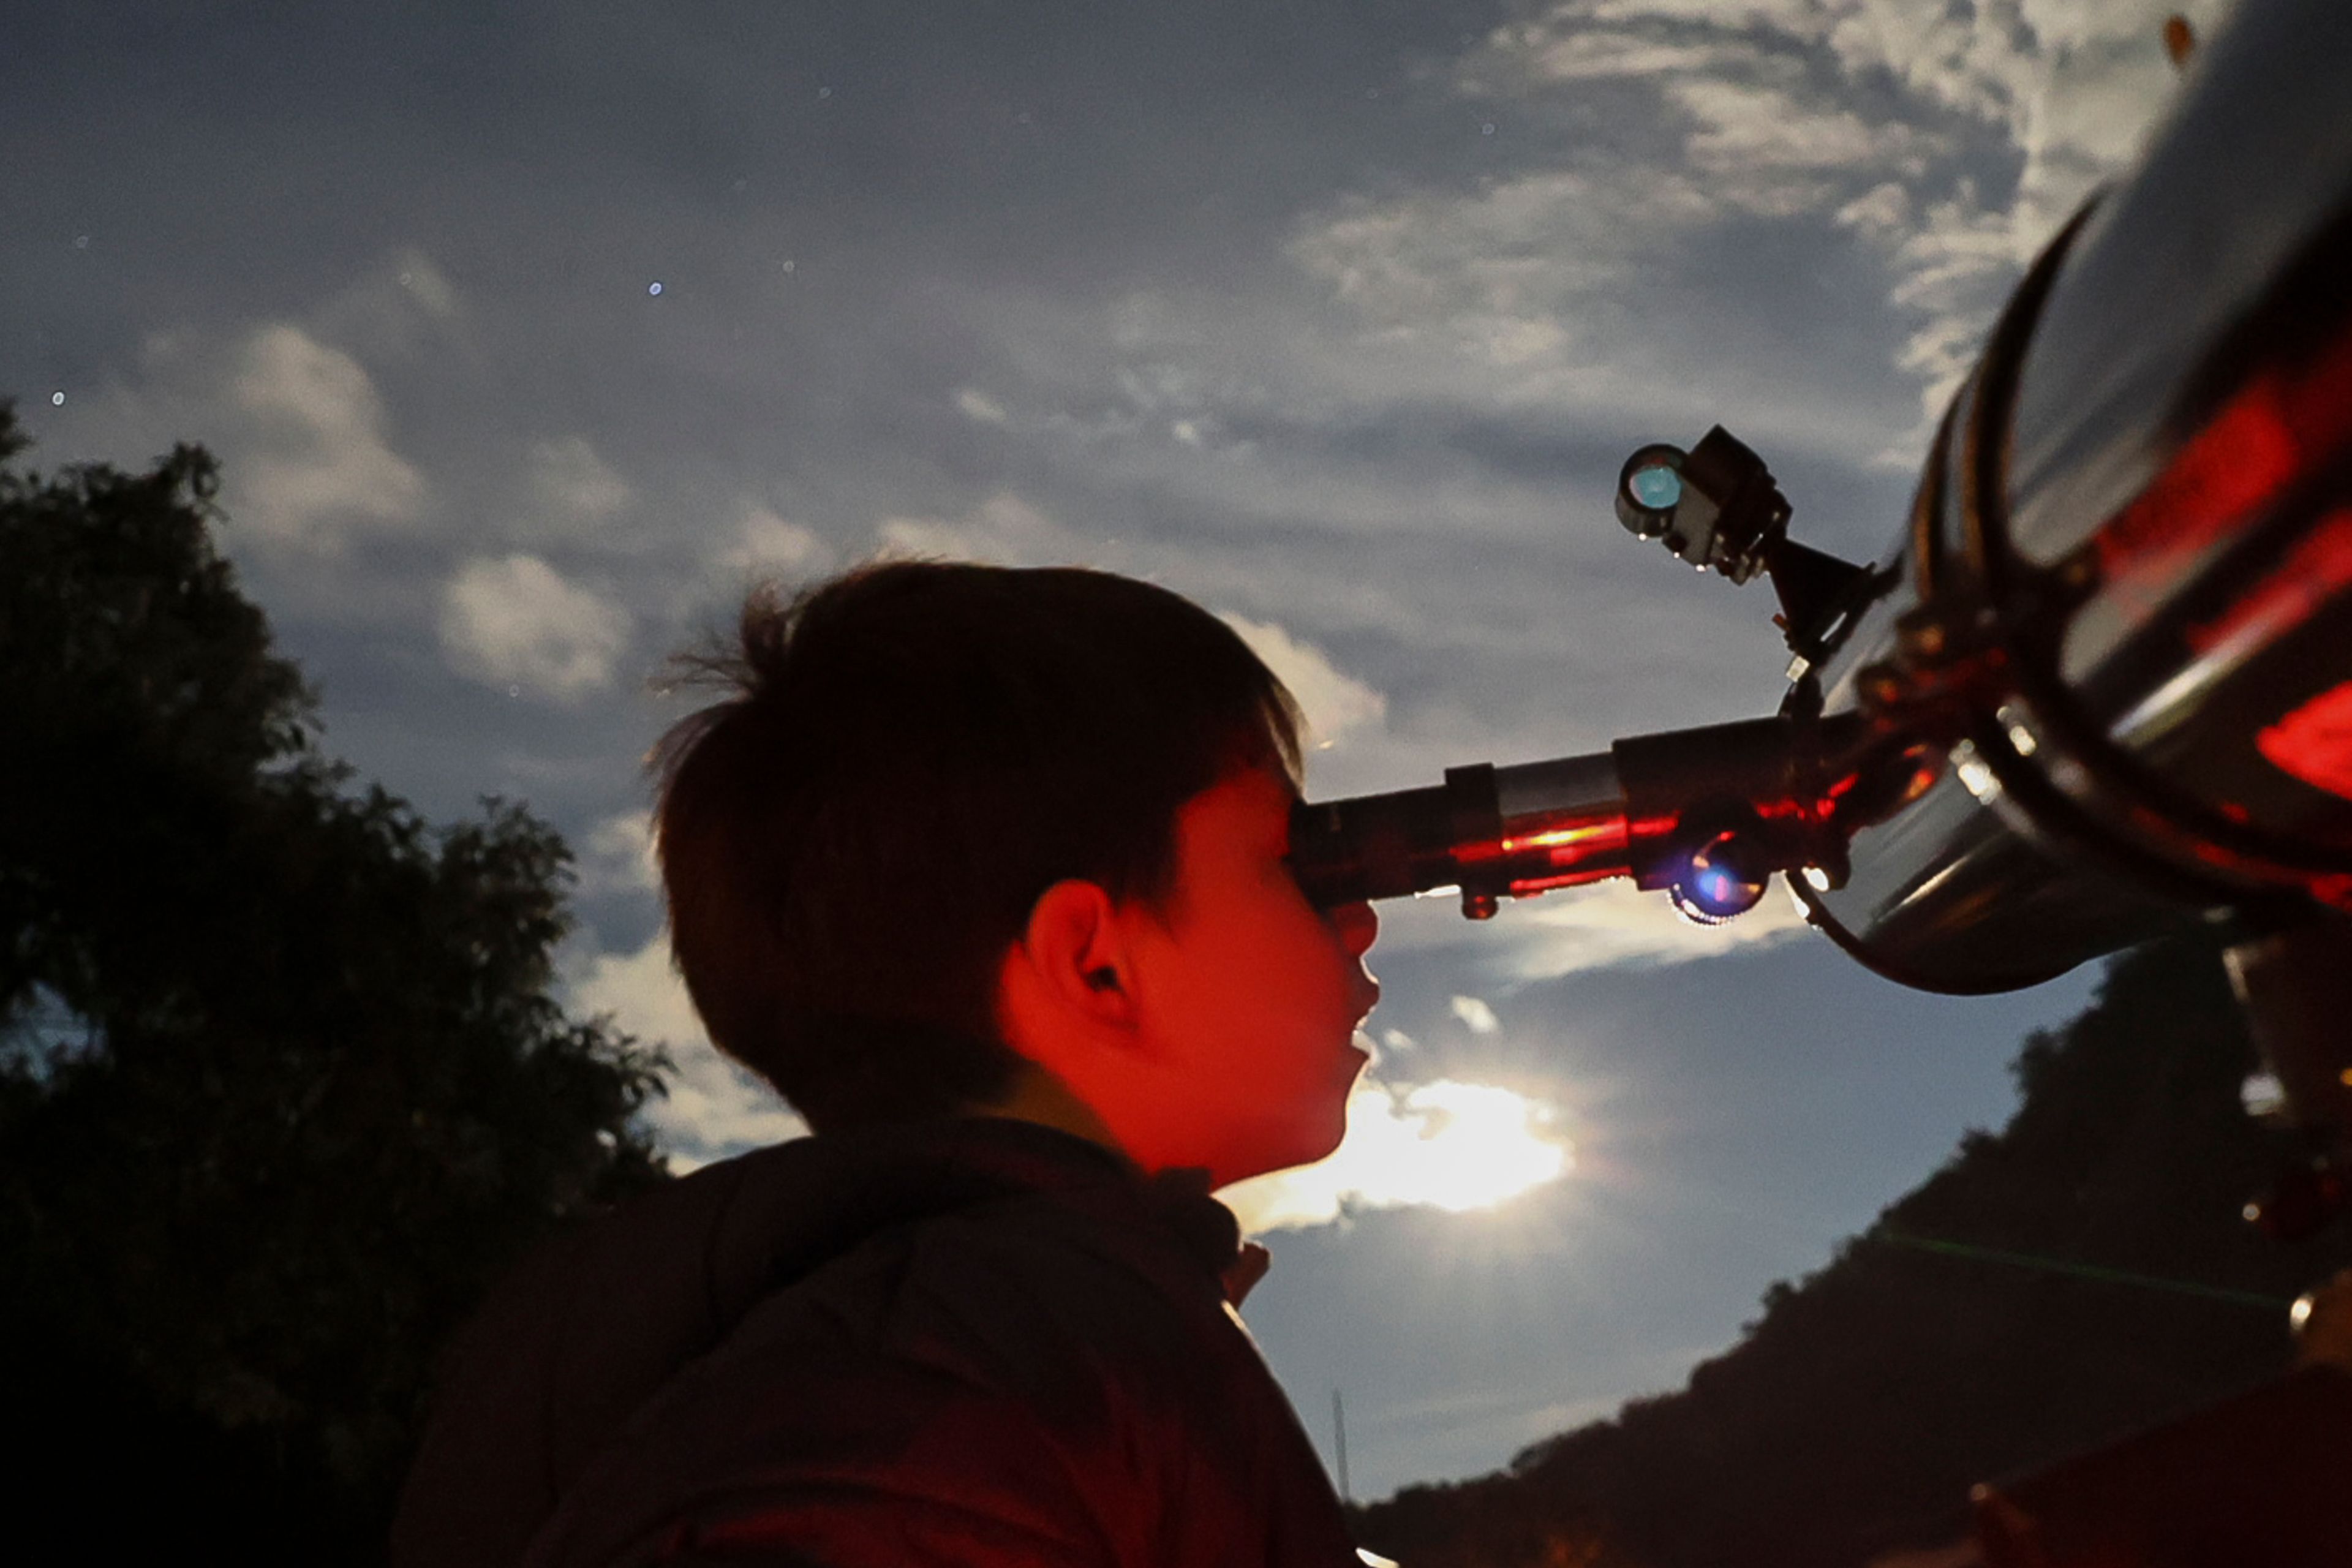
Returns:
(1715, 506)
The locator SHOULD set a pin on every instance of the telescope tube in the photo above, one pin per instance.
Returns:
(2123, 607)
(1742, 799)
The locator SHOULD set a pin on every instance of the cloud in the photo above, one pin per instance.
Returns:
(1974, 57)
(395, 311)
(1881, 213)
(1743, 129)
(1445, 1144)
(1614, 922)
(1517, 274)
(979, 408)
(1335, 705)
(617, 854)
(1582, 54)
(766, 545)
(2065, 79)
(296, 410)
(643, 993)
(1588, 41)
(516, 621)
(571, 485)
(1004, 531)
(317, 468)
(1803, 18)
(2075, 90)
(1650, 123)
(1476, 1016)
(1560, 274)
(425, 282)
(2108, 82)
(1953, 269)
(2073, 86)
(715, 1107)
(1739, 86)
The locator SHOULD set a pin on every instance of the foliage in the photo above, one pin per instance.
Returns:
(1852, 1419)
(282, 1086)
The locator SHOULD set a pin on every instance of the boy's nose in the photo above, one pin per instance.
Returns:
(1358, 926)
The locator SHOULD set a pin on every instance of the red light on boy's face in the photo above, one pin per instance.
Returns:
(1249, 995)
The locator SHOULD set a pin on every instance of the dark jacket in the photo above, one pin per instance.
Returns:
(971, 1343)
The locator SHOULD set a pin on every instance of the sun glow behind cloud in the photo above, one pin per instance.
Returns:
(1445, 1145)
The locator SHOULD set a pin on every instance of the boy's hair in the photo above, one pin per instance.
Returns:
(907, 756)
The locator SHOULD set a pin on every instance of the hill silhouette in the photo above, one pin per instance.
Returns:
(2082, 1273)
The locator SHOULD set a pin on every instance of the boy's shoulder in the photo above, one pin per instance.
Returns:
(980, 1307)
(1044, 1344)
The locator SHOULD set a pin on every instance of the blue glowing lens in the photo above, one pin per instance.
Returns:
(1658, 487)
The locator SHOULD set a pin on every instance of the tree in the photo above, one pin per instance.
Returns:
(282, 1084)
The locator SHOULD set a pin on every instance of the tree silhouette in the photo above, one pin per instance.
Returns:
(282, 1085)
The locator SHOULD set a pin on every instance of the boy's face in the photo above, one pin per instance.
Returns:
(1249, 995)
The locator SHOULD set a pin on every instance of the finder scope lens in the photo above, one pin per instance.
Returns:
(1657, 488)
(1648, 488)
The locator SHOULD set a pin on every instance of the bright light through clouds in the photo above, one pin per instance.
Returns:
(1445, 1145)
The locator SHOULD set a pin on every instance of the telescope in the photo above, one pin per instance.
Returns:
(2098, 688)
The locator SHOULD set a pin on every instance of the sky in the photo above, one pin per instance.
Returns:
(531, 333)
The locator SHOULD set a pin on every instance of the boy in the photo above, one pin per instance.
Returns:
(983, 870)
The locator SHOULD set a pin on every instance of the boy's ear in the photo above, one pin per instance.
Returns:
(1076, 952)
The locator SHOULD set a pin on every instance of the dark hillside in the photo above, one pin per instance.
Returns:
(1854, 1416)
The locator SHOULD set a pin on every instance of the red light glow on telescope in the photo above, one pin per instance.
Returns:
(2229, 469)
(1611, 828)
(2314, 743)
(2318, 569)
(1561, 851)
(1575, 843)
(2279, 425)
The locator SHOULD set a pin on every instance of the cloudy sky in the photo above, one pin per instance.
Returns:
(530, 332)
